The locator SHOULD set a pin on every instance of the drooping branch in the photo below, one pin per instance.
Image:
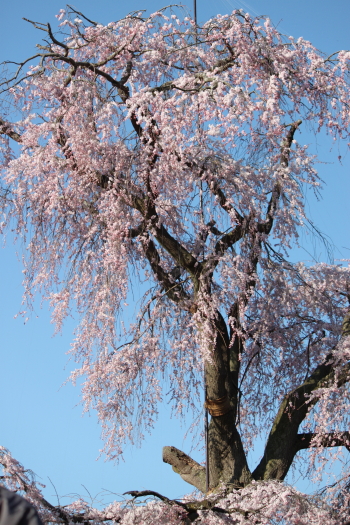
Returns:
(62, 141)
(243, 224)
(266, 226)
(26, 486)
(94, 67)
(221, 65)
(232, 237)
(192, 506)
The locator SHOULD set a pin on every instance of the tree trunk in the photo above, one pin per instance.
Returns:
(227, 460)
(226, 457)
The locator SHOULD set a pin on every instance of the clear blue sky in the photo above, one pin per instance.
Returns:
(40, 422)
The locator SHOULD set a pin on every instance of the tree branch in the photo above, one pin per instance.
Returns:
(232, 237)
(332, 439)
(283, 441)
(265, 227)
(190, 471)
(5, 129)
(173, 290)
(143, 493)
(190, 506)
(181, 256)
(229, 239)
(82, 15)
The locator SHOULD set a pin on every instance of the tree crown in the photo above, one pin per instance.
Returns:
(156, 148)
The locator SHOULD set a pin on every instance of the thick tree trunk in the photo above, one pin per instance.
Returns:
(226, 457)
(227, 460)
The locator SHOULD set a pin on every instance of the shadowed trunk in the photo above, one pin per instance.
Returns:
(226, 456)
(227, 460)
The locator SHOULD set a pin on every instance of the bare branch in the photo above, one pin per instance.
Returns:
(83, 16)
(36, 24)
(182, 464)
(266, 226)
(57, 42)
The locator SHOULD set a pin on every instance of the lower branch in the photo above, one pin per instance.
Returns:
(142, 493)
(192, 507)
(190, 471)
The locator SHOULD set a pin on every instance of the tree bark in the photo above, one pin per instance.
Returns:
(226, 457)
(190, 471)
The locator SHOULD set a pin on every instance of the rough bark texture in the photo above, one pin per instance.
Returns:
(182, 464)
(227, 460)
(226, 456)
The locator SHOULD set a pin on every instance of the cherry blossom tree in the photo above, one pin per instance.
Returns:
(154, 150)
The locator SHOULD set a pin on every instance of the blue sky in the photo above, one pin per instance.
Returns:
(42, 423)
